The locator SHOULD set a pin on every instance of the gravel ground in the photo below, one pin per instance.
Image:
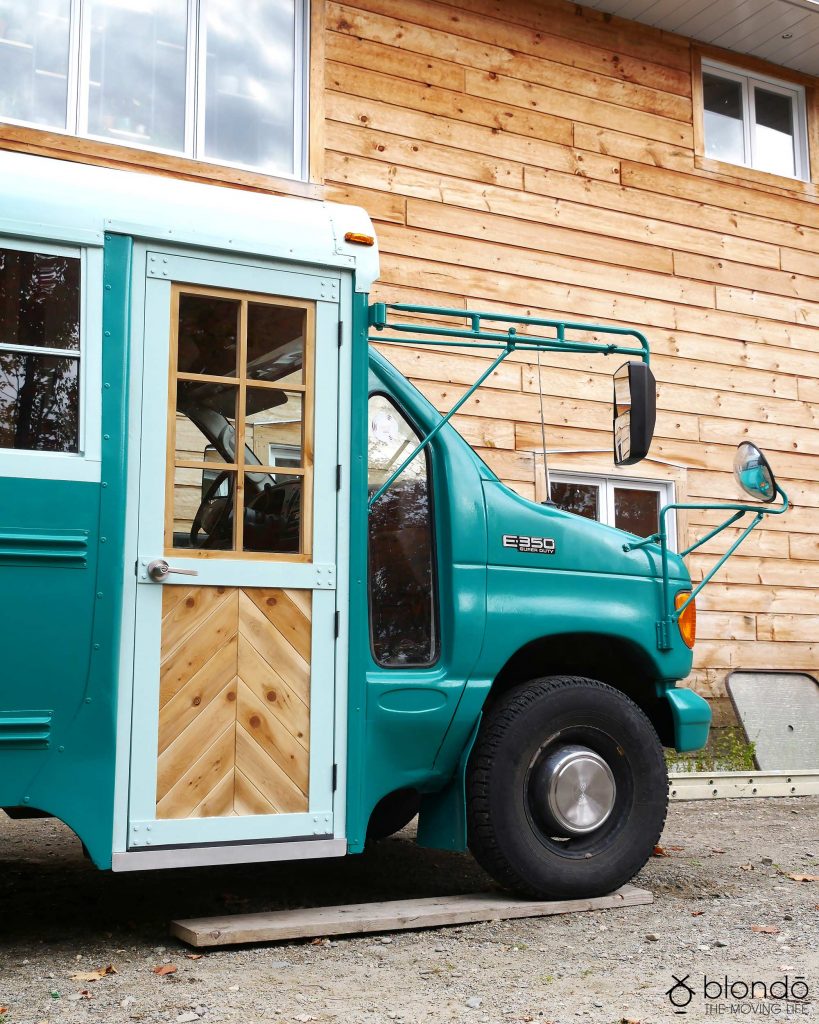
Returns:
(725, 871)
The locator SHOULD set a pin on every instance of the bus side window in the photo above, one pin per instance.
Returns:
(39, 351)
(403, 606)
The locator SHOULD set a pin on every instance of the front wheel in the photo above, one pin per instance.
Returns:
(567, 789)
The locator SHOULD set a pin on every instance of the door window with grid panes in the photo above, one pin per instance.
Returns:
(630, 505)
(242, 391)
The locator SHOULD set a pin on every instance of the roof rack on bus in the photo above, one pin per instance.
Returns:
(477, 336)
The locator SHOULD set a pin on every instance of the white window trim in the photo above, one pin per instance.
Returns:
(83, 465)
(796, 92)
(79, 57)
(276, 450)
(607, 484)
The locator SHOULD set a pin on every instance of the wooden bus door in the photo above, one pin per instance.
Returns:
(233, 699)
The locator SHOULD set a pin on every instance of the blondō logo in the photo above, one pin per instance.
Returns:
(680, 994)
(785, 997)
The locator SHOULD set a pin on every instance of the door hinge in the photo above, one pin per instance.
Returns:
(335, 777)
(338, 478)
(340, 332)
(337, 623)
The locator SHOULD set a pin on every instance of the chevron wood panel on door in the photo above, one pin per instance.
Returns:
(234, 702)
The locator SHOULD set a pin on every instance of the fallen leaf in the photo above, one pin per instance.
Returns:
(765, 929)
(677, 848)
(697, 913)
(194, 956)
(164, 969)
(660, 851)
(804, 878)
(3, 1009)
(746, 867)
(628, 1020)
(716, 849)
(101, 972)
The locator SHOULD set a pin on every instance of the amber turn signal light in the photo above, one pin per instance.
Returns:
(359, 239)
(687, 621)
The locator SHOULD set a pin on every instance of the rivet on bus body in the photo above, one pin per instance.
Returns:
(99, 595)
(26, 799)
(96, 647)
(106, 385)
(103, 484)
(108, 287)
(107, 334)
(106, 437)
(103, 540)
(87, 700)
(60, 750)
(136, 828)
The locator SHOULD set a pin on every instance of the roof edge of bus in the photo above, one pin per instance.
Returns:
(71, 203)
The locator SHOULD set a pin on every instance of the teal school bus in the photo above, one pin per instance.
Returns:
(260, 600)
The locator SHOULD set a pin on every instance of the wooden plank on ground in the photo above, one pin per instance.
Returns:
(388, 916)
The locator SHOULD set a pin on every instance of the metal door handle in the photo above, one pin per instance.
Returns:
(159, 569)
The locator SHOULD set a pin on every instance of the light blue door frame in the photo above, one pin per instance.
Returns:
(318, 575)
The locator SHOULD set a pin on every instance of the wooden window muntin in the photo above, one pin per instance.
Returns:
(239, 466)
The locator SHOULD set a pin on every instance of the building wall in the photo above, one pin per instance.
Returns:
(541, 158)
(546, 159)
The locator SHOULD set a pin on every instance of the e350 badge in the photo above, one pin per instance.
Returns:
(530, 545)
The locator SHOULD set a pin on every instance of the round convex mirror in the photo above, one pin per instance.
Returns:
(753, 473)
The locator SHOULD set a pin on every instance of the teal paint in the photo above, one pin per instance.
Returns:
(357, 813)
(494, 601)
(30, 730)
(406, 727)
(442, 818)
(692, 718)
(64, 619)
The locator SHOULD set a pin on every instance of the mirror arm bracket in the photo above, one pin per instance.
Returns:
(669, 614)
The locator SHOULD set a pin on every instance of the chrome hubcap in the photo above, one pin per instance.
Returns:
(575, 790)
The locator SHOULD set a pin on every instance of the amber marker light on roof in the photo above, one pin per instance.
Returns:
(687, 620)
(359, 239)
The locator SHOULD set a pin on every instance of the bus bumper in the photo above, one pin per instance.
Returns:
(691, 715)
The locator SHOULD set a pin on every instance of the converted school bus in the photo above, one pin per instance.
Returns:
(536, 157)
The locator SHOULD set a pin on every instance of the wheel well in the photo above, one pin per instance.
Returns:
(612, 660)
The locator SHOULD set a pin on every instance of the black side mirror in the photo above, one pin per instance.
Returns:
(635, 412)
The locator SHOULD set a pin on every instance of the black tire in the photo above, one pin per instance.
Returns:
(393, 812)
(507, 833)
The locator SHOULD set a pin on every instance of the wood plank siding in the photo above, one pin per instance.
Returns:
(536, 156)
(543, 158)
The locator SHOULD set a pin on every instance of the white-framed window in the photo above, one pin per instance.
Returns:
(754, 121)
(627, 503)
(284, 455)
(50, 357)
(209, 79)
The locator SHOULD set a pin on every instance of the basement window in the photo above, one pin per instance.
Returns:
(627, 504)
(754, 121)
(207, 79)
